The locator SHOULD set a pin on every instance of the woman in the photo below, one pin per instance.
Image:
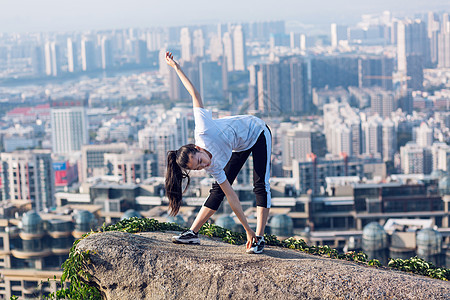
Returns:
(221, 148)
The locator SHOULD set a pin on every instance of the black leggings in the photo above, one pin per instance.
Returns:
(261, 152)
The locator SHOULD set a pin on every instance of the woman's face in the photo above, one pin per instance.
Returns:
(199, 160)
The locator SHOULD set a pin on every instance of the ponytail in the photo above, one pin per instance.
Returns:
(176, 172)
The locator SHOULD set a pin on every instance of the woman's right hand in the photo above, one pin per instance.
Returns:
(251, 236)
(170, 61)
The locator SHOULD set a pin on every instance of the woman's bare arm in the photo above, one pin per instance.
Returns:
(196, 98)
(236, 206)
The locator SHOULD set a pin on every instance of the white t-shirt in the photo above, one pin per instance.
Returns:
(223, 136)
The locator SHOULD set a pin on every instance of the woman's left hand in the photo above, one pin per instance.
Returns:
(251, 236)
(170, 61)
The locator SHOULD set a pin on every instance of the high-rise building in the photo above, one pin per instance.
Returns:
(415, 159)
(444, 43)
(433, 32)
(382, 102)
(28, 175)
(280, 87)
(373, 136)
(52, 64)
(72, 56)
(141, 52)
(424, 135)
(131, 167)
(240, 55)
(389, 140)
(155, 39)
(261, 31)
(253, 87)
(186, 44)
(294, 86)
(198, 43)
(88, 58)
(107, 53)
(294, 40)
(334, 71)
(338, 33)
(168, 132)
(38, 61)
(69, 125)
(376, 71)
(415, 65)
(215, 48)
(296, 143)
(93, 159)
(342, 126)
(211, 82)
(228, 50)
(440, 153)
(412, 39)
(269, 88)
(311, 175)
(443, 160)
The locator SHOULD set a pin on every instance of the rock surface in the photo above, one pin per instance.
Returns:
(150, 266)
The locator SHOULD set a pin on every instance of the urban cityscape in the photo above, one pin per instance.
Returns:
(360, 116)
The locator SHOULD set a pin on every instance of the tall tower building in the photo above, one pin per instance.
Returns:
(72, 56)
(28, 175)
(93, 159)
(88, 61)
(415, 159)
(52, 65)
(342, 140)
(382, 103)
(211, 82)
(186, 44)
(215, 48)
(414, 66)
(38, 61)
(198, 43)
(154, 40)
(389, 140)
(280, 87)
(373, 135)
(253, 87)
(107, 53)
(444, 43)
(412, 39)
(424, 135)
(141, 52)
(69, 125)
(131, 167)
(376, 71)
(342, 126)
(269, 88)
(433, 32)
(240, 55)
(338, 33)
(228, 50)
(296, 143)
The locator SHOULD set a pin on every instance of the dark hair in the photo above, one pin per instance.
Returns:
(176, 171)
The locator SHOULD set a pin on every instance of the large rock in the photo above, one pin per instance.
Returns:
(150, 266)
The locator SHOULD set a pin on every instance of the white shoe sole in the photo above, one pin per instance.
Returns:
(254, 251)
(194, 241)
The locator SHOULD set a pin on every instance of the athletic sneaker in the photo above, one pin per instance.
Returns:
(257, 246)
(186, 237)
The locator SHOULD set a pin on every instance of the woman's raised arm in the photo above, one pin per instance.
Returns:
(196, 98)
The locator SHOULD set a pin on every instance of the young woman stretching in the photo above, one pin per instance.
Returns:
(221, 148)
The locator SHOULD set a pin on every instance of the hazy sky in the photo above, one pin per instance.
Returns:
(65, 15)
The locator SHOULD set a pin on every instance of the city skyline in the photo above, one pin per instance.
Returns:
(51, 15)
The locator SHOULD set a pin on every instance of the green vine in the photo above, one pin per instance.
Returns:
(74, 266)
